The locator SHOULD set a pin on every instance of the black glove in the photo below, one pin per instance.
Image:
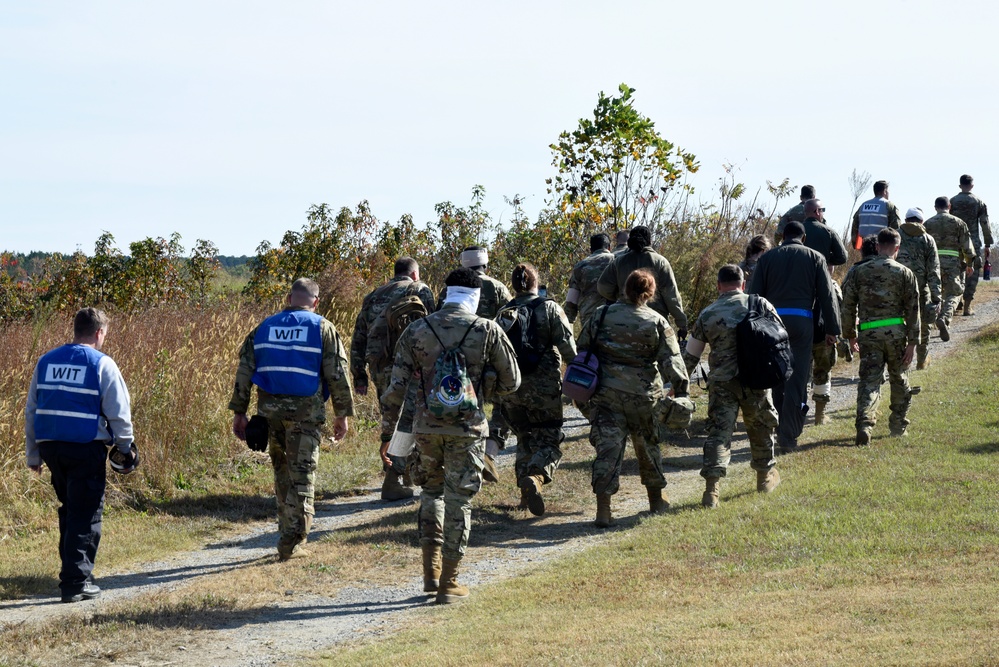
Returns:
(257, 432)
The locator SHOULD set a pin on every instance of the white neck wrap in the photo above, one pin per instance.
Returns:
(466, 297)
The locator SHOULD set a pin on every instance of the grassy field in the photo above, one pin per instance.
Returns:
(886, 555)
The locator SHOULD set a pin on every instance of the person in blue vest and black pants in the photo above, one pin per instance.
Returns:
(77, 405)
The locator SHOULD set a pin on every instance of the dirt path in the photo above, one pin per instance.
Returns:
(500, 548)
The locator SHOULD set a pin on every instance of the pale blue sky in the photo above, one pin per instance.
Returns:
(226, 120)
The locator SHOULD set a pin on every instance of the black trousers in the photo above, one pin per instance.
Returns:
(792, 395)
(79, 477)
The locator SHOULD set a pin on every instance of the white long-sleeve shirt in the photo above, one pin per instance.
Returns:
(116, 411)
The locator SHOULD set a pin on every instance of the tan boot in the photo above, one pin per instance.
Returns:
(820, 413)
(392, 489)
(767, 480)
(657, 504)
(968, 310)
(710, 497)
(922, 360)
(450, 590)
(431, 567)
(604, 518)
(531, 485)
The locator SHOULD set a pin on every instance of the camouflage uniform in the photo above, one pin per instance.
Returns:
(294, 436)
(827, 243)
(956, 254)
(666, 301)
(918, 253)
(584, 278)
(637, 351)
(534, 411)
(975, 214)
(451, 452)
(715, 326)
(795, 213)
(493, 296)
(881, 290)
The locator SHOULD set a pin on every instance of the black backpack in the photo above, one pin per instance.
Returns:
(762, 348)
(521, 328)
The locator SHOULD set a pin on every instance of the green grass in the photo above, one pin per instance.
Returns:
(886, 555)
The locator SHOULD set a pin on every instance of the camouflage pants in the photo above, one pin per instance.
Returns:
(952, 286)
(971, 282)
(381, 381)
(499, 430)
(823, 360)
(453, 468)
(294, 451)
(875, 356)
(536, 420)
(927, 315)
(759, 415)
(613, 416)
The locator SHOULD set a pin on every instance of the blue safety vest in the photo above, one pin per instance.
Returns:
(68, 396)
(288, 348)
(873, 216)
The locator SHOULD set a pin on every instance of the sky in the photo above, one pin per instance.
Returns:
(225, 121)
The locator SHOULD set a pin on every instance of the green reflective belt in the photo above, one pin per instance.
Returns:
(948, 253)
(881, 323)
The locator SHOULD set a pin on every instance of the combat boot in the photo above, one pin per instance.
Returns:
(392, 488)
(899, 432)
(968, 310)
(922, 358)
(863, 438)
(960, 306)
(531, 485)
(710, 497)
(450, 590)
(489, 471)
(942, 328)
(604, 518)
(657, 504)
(820, 412)
(767, 480)
(431, 567)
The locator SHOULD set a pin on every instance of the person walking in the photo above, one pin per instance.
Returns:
(975, 214)
(371, 348)
(297, 361)
(874, 215)
(716, 327)
(885, 296)
(917, 252)
(754, 250)
(638, 353)
(458, 361)
(795, 279)
(534, 411)
(78, 406)
(583, 298)
(795, 213)
(957, 256)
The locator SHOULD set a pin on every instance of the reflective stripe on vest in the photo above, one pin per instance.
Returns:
(68, 394)
(948, 253)
(876, 324)
(873, 216)
(800, 312)
(288, 349)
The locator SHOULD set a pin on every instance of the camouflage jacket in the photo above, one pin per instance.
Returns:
(637, 350)
(918, 252)
(793, 276)
(796, 213)
(489, 360)
(951, 234)
(368, 349)
(492, 297)
(297, 408)
(975, 214)
(715, 326)
(667, 299)
(849, 274)
(881, 289)
(584, 279)
(556, 338)
(824, 241)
